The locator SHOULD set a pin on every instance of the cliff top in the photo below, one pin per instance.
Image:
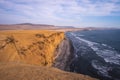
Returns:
(17, 71)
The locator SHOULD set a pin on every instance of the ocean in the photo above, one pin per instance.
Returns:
(97, 53)
(107, 37)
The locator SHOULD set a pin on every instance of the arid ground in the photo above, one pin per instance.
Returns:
(29, 55)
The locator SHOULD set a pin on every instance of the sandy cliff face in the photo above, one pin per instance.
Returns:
(31, 47)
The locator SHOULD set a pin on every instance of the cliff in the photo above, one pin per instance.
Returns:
(33, 54)
(30, 47)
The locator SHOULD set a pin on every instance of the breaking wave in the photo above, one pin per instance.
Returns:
(101, 57)
(106, 52)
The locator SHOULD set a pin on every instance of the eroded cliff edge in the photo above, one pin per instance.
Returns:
(25, 55)
(31, 47)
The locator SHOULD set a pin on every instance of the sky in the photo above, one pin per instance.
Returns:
(78, 13)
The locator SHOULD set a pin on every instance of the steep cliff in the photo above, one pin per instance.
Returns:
(31, 47)
(32, 54)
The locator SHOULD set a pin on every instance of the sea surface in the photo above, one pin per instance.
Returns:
(97, 53)
(105, 37)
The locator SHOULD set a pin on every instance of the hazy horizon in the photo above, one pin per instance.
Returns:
(77, 13)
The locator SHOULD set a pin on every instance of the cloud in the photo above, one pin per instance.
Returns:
(59, 12)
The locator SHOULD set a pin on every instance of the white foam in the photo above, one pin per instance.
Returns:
(104, 44)
(107, 54)
(102, 69)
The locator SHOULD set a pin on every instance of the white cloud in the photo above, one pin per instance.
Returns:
(58, 11)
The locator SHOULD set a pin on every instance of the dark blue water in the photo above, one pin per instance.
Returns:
(109, 37)
(97, 53)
